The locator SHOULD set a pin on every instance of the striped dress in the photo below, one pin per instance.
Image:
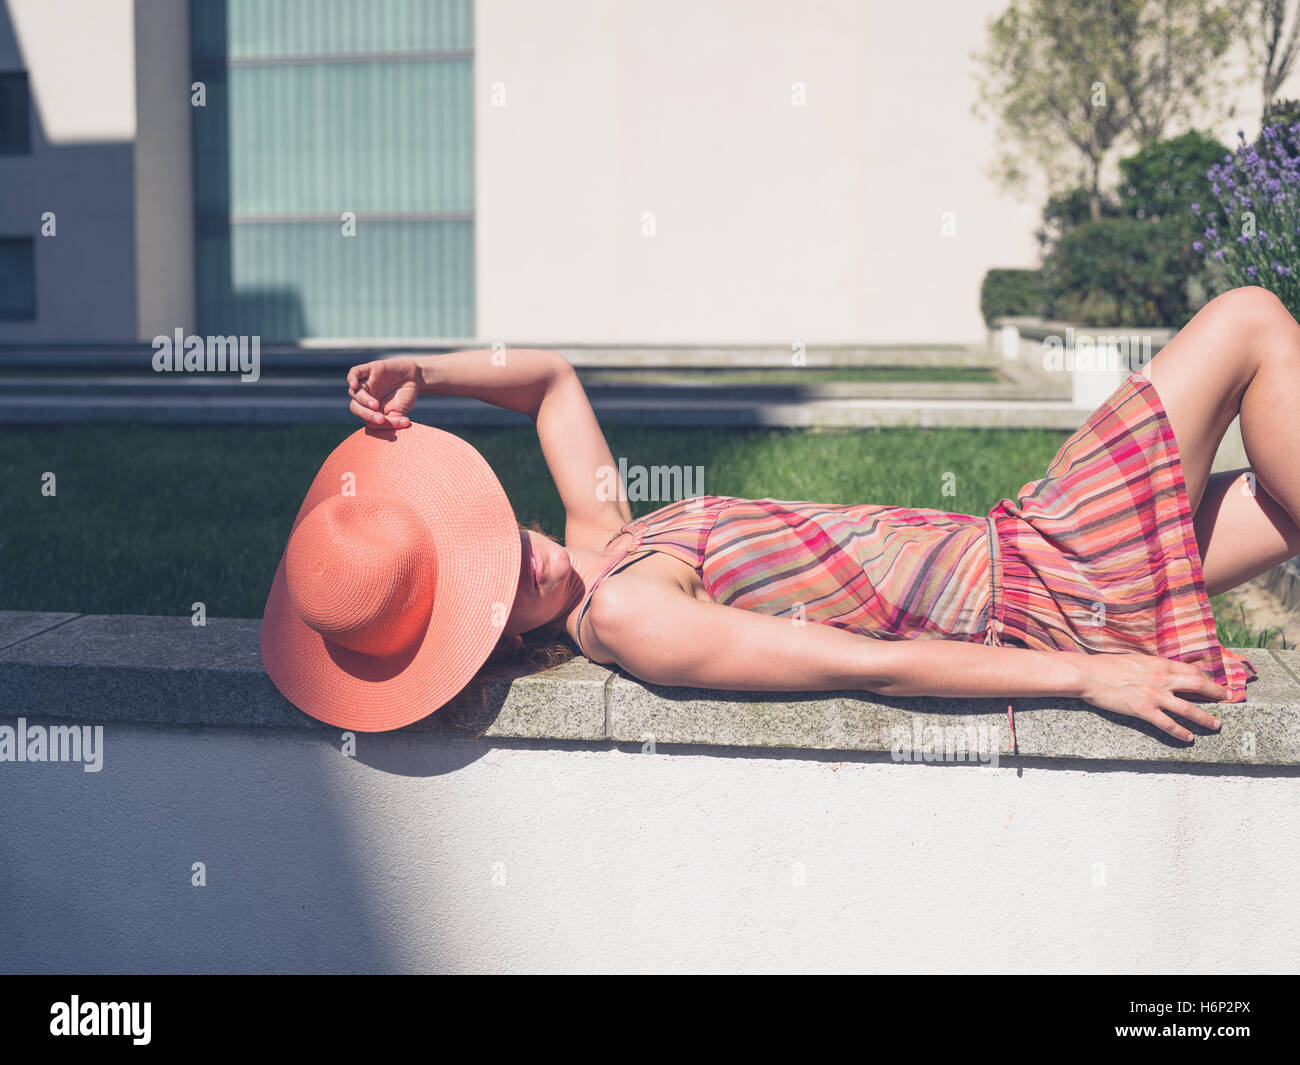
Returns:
(1099, 555)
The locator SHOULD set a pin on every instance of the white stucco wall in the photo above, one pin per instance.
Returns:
(421, 856)
(774, 223)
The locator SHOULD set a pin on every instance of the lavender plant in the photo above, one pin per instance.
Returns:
(1252, 228)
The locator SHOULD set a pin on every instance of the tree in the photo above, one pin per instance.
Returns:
(1275, 48)
(1171, 68)
(1068, 81)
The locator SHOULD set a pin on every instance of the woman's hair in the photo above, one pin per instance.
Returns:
(544, 647)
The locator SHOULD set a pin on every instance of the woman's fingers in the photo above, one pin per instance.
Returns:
(358, 374)
(392, 419)
(362, 393)
(1190, 712)
(1147, 687)
(362, 381)
(365, 398)
(365, 386)
(366, 414)
(1167, 723)
(1171, 704)
(1200, 682)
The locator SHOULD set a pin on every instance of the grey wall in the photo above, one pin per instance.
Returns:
(164, 220)
(80, 63)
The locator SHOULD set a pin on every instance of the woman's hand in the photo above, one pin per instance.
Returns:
(1143, 686)
(384, 391)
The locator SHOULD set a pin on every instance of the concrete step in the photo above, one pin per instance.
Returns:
(320, 356)
(688, 386)
(194, 405)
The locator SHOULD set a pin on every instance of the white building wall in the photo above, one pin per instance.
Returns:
(773, 223)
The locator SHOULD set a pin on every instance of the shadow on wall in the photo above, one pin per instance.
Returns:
(101, 876)
(98, 876)
(85, 269)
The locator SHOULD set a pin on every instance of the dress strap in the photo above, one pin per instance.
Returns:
(661, 523)
(995, 600)
(617, 566)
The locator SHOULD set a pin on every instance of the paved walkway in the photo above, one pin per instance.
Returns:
(307, 386)
(44, 400)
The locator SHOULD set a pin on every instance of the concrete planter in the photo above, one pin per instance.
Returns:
(1095, 359)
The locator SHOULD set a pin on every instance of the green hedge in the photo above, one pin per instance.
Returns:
(1119, 272)
(1164, 179)
(1136, 265)
(1010, 292)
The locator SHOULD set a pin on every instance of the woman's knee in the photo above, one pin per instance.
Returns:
(1260, 324)
(1255, 306)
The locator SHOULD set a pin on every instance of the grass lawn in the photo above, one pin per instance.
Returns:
(149, 519)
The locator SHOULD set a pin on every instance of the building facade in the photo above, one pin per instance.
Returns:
(576, 171)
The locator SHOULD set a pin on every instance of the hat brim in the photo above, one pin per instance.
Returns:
(476, 538)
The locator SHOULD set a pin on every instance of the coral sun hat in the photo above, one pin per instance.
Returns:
(396, 583)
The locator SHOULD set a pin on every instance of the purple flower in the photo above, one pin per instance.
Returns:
(1256, 185)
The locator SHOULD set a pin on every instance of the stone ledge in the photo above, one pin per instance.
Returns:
(165, 671)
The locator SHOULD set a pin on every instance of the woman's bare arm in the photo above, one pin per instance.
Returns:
(663, 636)
(535, 382)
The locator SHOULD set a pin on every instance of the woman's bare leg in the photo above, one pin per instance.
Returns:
(1240, 353)
(1241, 530)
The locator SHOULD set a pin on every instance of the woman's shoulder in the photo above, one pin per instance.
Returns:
(616, 609)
